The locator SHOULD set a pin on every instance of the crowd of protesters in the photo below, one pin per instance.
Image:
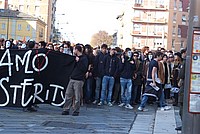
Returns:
(115, 76)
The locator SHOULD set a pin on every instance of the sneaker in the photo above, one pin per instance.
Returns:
(142, 109)
(121, 105)
(75, 114)
(31, 109)
(94, 102)
(162, 109)
(167, 107)
(100, 103)
(113, 102)
(110, 104)
(65, 113)
(178, 128)
(128, 106)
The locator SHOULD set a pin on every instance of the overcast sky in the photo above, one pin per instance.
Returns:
(86, 17)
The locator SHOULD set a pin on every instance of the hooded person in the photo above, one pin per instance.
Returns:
(8, 44)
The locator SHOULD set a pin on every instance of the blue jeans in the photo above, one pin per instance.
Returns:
(126, 89)
(98, 88)
(144, 101)
(108, 81)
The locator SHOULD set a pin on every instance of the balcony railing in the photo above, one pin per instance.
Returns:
(150, 7)
(149, 35)
(150, 21)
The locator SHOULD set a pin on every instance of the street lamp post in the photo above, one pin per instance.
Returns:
(8, 21)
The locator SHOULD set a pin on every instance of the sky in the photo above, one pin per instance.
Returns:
(83, 18)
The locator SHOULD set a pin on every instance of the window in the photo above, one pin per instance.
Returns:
(179, 32)
(137, 27)
(37, 9)
(182, 44)
(27, 8)
(174, 17)
(3, 36)
(28, 27)
(184, 19)
(19, 37)
(173, 43)
(19, 27)
(175, 4)
(180, 6)
(138, 1)
(159, 15)
(136, 41)
(21, 7)
(160, 3)
(137, 13)
(174, 31)
(3, 26)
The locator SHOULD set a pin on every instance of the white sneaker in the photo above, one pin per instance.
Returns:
(142, 109)
(110, 104)
(162, 109)
(121, 105)
(167, 107)
(128, 106)
(100, 103)
(94, 102)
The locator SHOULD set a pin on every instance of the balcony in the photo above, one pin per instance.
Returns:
(150, 7)
(150, 21)
(149, 35)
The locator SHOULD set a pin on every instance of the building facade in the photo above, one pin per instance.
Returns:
(3, 4)
(43, 9)
(20, 26)
(154, 23)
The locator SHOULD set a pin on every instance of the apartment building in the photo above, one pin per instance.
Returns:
(3, 4)
(20, 26)
(43, 9)
(154, 23)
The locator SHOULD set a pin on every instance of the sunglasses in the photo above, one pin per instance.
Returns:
(135, 55)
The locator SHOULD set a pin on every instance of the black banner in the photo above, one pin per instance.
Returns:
(34, 77)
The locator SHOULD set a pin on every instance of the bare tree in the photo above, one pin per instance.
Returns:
(100, 38)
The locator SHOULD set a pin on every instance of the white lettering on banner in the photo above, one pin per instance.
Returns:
(40, 68)
(24, 104)
(9, 64)
(55, 94)
(38, 92)
(15, 92)
(25, 58)
(47, 95)
(5, 91)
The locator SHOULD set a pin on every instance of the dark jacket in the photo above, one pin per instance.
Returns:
(98, 70)
(139, 73)
(111, 65)
(80, 68)
(126, 69)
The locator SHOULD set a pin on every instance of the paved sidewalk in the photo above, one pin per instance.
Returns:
(156, 121)
(92, 119)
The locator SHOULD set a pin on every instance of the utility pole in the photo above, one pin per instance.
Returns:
(191, 105)
(8, 21)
